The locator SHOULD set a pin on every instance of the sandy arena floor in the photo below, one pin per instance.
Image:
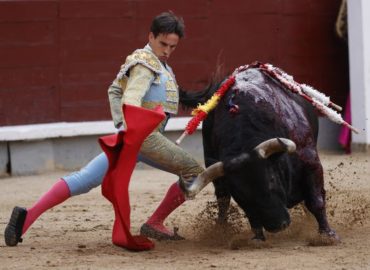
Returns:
(76, 234)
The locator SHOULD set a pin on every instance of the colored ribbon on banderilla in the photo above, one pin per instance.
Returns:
(316, 98)
(200, 113)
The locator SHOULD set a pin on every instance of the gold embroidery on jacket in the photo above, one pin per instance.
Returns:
(172, 94)
(170, 107)
(148, 58)
(143, 57)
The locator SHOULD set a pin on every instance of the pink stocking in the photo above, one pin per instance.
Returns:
(57, 194)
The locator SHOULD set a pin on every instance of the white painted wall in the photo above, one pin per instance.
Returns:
(359, 54)
(73, 129)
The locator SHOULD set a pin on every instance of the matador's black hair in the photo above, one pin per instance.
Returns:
(168, 23)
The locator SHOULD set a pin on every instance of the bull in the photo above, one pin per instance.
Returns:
(265, 175)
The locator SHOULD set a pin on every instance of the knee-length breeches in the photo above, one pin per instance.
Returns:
(156, 151)
(163, 152)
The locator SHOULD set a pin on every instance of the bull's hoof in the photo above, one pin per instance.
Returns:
(13, 230)
(236, 243)
(259, 243)
(259, 238)
(149, 231)
(325, 238)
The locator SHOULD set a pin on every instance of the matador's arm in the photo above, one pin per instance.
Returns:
(130, 91)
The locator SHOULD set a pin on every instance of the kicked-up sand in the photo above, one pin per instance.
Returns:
(77, 233)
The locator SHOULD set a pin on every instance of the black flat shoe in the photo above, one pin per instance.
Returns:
(148, 231)
(13, 230)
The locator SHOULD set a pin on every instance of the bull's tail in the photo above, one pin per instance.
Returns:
(262, 151)
(191, 99)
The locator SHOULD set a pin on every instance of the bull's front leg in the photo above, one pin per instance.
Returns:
(223, 199)
(222, 190)
(315, 200)
(258, 234)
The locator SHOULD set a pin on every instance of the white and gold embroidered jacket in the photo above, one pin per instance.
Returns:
(143, 81)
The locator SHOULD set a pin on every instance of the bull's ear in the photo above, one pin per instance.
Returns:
(238, 162)
(276, 156)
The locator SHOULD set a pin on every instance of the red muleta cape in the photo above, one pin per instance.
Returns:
(122, 150)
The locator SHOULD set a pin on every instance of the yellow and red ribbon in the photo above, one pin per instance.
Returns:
(200, 113)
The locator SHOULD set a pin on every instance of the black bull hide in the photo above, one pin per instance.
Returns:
(264, 188)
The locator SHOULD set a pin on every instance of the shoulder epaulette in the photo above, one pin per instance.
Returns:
(143, 57)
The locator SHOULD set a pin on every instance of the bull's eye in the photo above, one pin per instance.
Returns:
(272, 184)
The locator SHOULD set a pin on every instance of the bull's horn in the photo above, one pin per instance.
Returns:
(272, 146)
(261, 151)
(194, 185)
(214, 171)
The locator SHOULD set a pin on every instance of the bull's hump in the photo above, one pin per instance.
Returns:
(248, 79)
(253, 82)
(274, 103)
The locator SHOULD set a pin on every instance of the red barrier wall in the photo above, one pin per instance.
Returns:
(57, 58)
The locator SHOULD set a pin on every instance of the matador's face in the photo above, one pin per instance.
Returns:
(163, 45)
